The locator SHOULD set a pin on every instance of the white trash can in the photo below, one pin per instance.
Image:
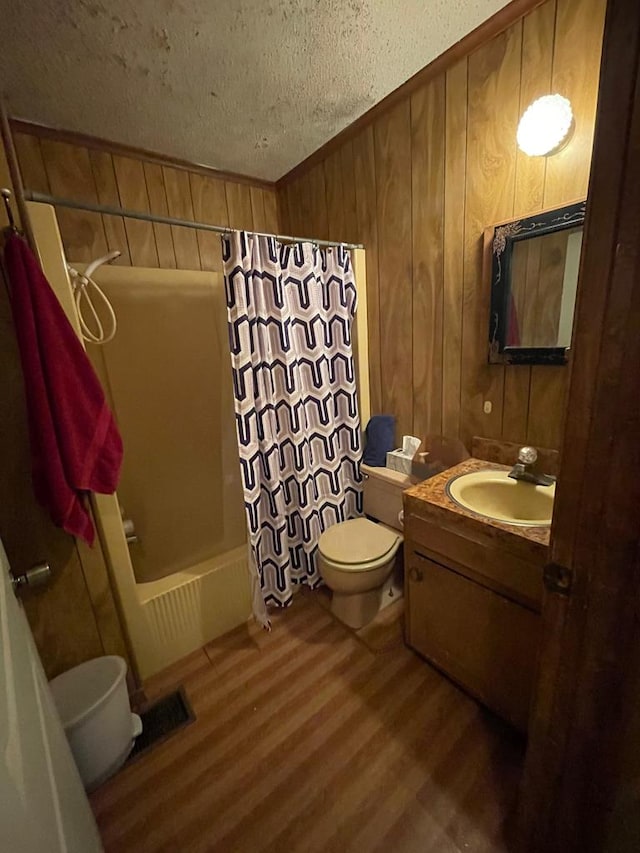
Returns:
(93, 704)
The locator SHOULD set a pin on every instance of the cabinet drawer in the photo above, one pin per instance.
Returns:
(489, 564)
(485, 642)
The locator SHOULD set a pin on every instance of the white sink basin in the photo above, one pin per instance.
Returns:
(495, 495)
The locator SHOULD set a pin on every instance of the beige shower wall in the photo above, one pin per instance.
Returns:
(168, 376)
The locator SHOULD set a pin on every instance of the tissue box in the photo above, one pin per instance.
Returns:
(402, 458)
(398, 460)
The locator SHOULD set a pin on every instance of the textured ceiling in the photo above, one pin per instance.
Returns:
(249, 86)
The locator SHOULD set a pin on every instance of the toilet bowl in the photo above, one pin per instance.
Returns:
(357, 557)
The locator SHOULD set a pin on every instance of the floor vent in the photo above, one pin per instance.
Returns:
(161, 720)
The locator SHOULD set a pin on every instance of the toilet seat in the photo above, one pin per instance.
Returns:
(358, 545)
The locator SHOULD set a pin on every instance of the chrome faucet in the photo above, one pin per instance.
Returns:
(523, 469)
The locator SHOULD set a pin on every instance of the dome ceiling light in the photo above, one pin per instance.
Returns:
(546, 126)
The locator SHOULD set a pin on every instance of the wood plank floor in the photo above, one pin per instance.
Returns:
(306, 740)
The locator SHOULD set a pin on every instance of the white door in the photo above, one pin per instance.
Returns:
(43, 806)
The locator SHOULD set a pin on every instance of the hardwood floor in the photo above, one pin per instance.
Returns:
(306, 740)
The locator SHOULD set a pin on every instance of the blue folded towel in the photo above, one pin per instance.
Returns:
(380, 439)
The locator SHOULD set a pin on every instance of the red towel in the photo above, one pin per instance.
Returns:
(75, 444)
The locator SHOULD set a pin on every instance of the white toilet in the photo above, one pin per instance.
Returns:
(356, 558)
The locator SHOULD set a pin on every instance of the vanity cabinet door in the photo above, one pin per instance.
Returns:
(485, 642)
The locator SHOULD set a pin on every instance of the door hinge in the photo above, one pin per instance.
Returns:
(558, 578)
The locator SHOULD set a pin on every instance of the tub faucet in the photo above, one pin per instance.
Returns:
(523, 469)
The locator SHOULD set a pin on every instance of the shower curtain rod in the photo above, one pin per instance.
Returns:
(43, 198)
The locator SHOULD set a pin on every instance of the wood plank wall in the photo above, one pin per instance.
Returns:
(419, 184)
(97, 176)
(75, 616)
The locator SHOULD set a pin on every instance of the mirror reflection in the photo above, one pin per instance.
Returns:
(544, 278)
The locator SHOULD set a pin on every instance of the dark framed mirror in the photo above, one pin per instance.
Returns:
(534, 276)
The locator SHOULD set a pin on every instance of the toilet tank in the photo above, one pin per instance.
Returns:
(382, 494)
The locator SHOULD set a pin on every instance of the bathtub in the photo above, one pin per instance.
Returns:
(188, 609)
(168, 618)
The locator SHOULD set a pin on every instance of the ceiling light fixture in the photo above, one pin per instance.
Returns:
(546, 126)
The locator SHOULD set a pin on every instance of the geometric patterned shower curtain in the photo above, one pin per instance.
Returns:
(290, 310)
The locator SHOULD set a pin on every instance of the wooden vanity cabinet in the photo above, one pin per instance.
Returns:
(480, 631)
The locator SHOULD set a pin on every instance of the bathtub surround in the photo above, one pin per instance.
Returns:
(207, 592)
(180, 470)
(185, 581)
(290, 311)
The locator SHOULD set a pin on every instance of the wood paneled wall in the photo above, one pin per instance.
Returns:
(75, 616)
(419, 184)
(97, 176)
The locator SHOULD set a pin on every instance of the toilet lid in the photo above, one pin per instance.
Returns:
(356, 541)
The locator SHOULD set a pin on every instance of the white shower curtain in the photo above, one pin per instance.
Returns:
(290, 311)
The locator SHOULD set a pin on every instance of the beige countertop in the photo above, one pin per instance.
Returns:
(430, 501)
